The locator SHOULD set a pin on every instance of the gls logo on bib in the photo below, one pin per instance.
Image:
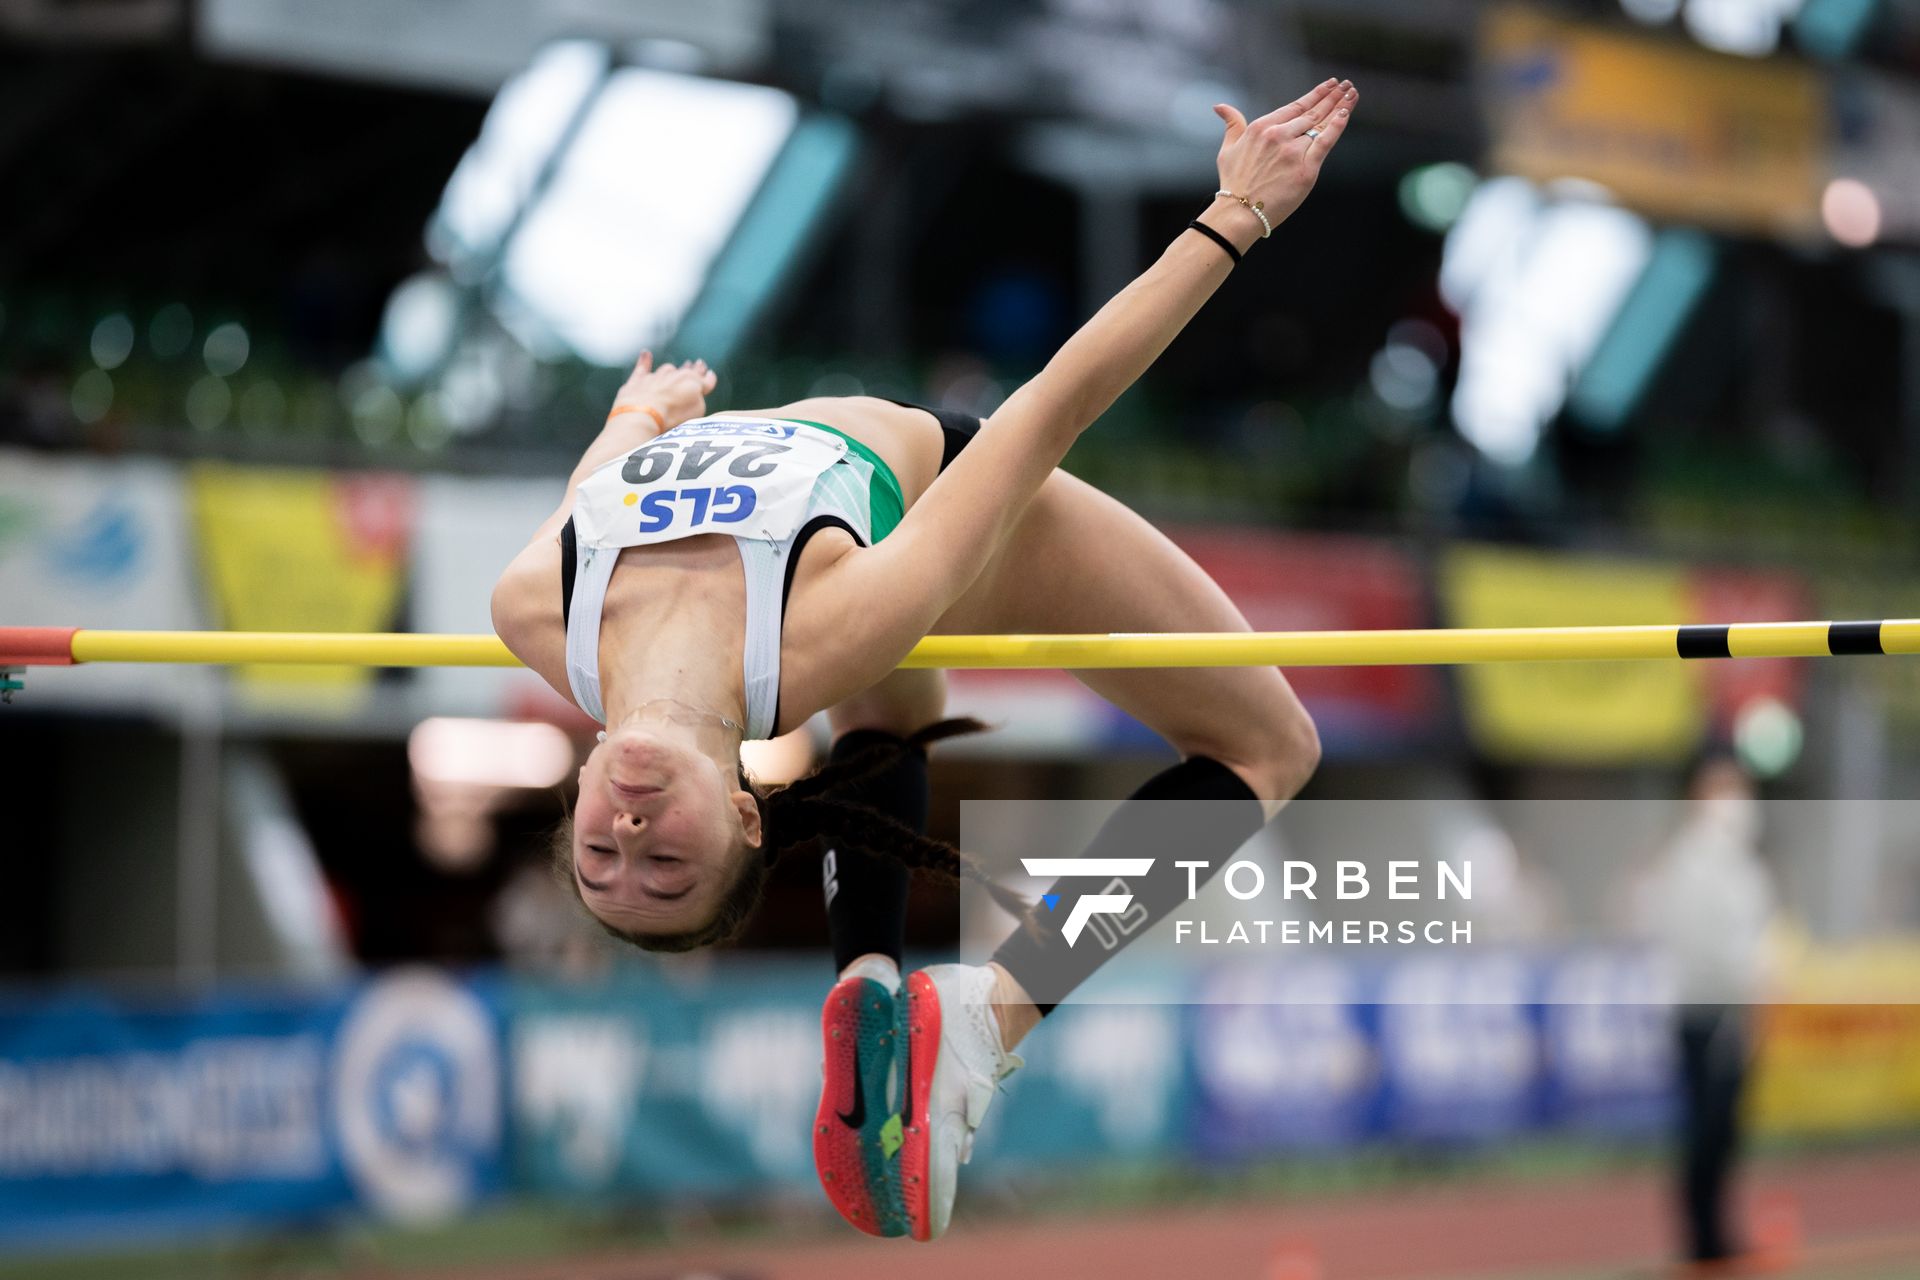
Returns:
(747, 478)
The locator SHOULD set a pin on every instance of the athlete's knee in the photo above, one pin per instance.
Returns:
(1275, 751)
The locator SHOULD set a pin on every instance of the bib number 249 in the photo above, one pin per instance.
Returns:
(720, 504)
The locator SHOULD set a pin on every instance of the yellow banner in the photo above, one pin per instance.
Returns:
(286, 550)
(1672, 130)
(1837, 1068)
(1587, 713)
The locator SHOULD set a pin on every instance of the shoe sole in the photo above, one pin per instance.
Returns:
(857, 1033)
(922, 1047)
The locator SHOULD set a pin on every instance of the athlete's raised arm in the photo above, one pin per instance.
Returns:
(1266, 169)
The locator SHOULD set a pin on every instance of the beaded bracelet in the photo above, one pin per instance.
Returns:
(1258, 207)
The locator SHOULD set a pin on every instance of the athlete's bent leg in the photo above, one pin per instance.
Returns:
(866, 896)
(855, 1135)
(1081, 562)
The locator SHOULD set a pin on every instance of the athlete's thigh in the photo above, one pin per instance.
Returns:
(1081, 561)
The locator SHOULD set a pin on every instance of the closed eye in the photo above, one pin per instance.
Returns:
(595, 885)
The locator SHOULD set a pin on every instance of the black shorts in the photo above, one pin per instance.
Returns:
(956, 429)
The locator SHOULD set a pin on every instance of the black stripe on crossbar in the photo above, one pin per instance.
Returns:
(1854, 637)
(1703, 642)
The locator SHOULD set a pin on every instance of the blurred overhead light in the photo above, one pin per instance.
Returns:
(769, 237)
(501, 171)
(1433, 196)
(682, 56)
(472, 389)
(1852, 212)
(1767, 736)
(1403, 376)
(616, 247)
(1649, 321)
(226, 349)
(1833, 29)
(489, 753)
(1536, 280)
(208, 402)
(112, 341)
(417, 332)
(92, 396)
(1750, 28)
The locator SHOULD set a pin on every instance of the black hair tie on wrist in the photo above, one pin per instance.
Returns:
(1217, 238)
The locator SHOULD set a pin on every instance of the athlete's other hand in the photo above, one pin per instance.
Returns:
(1271, 160)
(679, 391)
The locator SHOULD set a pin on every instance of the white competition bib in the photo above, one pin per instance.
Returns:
(747, 477)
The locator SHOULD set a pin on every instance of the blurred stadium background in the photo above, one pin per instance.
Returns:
(1607, 312)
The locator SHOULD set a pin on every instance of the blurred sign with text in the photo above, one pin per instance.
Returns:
(1673, 131)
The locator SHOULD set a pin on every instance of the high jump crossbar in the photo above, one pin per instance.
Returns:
(65, 646)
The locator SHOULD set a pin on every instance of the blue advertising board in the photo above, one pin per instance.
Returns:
(1429, 1049)
(419, 1094)
(639, 1086)
(151, 1119)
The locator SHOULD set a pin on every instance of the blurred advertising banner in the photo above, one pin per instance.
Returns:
(1672, 130)
(147, 1118)
(93, 543)
(639, 1086)
(1833, 1068)
(1280, 582)
(1353, 1058)
(298, 550)
(1588, 713)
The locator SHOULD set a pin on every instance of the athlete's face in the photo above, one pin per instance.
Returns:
(659, 834)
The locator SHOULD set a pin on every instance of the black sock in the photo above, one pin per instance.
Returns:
(867, 896)
(1039, 955)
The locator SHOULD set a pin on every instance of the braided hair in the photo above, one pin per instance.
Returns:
(808, 816)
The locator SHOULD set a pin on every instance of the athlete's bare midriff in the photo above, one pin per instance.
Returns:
(698, 582)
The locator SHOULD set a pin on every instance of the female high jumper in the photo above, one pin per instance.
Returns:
(711, 578)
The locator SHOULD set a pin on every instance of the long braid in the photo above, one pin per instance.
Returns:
(808, 815)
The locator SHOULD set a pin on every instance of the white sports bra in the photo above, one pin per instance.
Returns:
(769, 483)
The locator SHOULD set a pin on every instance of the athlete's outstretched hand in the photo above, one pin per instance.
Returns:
(679, 392)
(1272, 160)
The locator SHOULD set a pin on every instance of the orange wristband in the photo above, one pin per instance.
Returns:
(658, 419)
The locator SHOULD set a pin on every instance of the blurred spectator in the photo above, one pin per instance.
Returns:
(1707, 902)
